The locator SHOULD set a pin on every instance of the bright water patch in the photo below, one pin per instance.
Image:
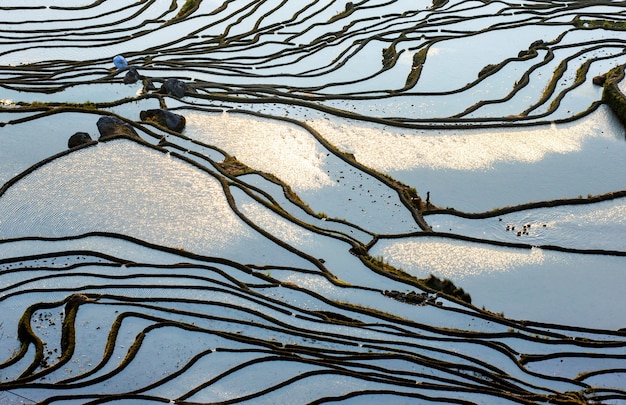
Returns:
(478, 170)
(102, 187)
(589, 226)
(282, 149)
(550, 286)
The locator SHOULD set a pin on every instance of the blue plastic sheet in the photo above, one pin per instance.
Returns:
(120, 62)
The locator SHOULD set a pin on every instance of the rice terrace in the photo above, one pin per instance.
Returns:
(312, 202)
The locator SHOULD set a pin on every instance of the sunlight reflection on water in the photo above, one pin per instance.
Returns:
(391, 149)
(454, 259)
(149, 195)
(288, 152)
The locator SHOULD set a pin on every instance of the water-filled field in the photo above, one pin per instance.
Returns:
(312, 202)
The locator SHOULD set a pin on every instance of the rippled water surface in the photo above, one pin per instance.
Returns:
(374, 201)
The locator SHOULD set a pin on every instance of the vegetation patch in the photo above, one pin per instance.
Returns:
(416, 69)
(432, 283)
(605, 24)
(232, 166)
(389, 56)
(343, 14)
(189, 7)
(612, 95)
(438, 4)
(487, 70)
(446, 286)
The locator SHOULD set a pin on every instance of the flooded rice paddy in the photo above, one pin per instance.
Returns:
(312, 202)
